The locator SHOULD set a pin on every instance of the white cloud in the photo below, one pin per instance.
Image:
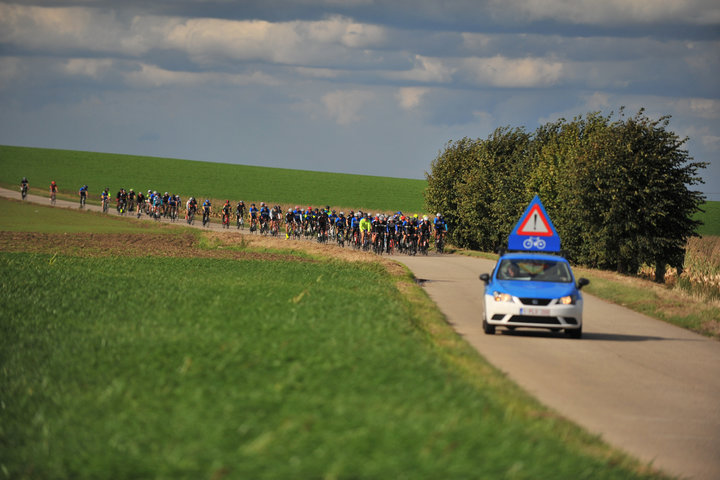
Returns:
(499, 71)
(426, 69)
(410, 97)
(344, 106)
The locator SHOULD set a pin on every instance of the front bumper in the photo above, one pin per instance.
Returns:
(533, 313)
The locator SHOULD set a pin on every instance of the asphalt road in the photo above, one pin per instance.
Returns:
(645, 386)
(649, 388)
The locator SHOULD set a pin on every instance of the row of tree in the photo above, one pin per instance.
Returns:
(617, 189)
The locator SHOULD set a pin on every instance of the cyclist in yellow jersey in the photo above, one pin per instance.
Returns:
(365, 227)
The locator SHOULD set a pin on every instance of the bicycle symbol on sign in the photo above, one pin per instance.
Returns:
(536, 242)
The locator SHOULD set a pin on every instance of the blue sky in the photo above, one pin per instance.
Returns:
(358, 86)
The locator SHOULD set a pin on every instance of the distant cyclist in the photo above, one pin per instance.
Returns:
(207, 209)
(240, 214)
(104, 198)
(83, 195)
(53, 192)
(440, 231)
(24, 185)
(226, 214)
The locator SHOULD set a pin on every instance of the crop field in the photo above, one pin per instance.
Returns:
(72, 169)
(201, 358)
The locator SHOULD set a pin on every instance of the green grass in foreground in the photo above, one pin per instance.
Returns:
(20, 216)
(206, 368)
(71, 169)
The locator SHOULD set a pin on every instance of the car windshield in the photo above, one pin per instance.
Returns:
(534, 269)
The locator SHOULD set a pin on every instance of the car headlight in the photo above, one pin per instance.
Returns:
(502, 297)
(567, 300)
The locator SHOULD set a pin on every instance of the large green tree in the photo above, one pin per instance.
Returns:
(618, 191)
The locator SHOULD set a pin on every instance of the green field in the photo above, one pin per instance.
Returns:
(151, 367)
(72, 169)
(710, 218)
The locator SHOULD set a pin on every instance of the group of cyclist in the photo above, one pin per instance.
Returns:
(379, 232)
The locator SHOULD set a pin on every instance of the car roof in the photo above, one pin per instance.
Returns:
(529, 255)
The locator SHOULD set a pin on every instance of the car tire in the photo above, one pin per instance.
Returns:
(487, 328)
(574, 332)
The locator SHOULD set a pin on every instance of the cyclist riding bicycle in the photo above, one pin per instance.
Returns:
(105, 198)
(365, 228)
(440, 231)
(83, 195)
(24, 186)
(140, 203)
(240, 214)
(226, 214)
(53, 192)
(207, 208)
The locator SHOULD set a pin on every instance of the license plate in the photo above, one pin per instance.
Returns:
(541, 312)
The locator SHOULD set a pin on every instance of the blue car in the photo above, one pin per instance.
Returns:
(533, 290)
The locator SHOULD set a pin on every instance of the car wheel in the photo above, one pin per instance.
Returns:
(574, 332)
(487, 328)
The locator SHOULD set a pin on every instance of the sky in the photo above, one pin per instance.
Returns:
(373, 87)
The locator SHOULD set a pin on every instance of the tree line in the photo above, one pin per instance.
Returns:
(617, 188)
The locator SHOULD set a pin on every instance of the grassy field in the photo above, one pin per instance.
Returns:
(711, 219)
(72, 169)
(205, 366)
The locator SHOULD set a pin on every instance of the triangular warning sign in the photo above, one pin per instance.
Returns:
(535, 223)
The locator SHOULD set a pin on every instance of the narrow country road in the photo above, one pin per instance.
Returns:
(647, 387)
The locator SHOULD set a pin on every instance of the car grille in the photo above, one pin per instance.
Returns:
(534, 319)
(570, 320)
(536, 301)
(498, 316)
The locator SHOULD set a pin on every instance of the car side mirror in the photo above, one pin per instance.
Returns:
(582, 282)
(485, 278)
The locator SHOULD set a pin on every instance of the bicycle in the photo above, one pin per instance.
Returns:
(206, 218)
(440, 243)
(104, 205)
(226, 220)
(537, 242)
(82, 201)
(24, 191)
(240, 222)
(191, 216)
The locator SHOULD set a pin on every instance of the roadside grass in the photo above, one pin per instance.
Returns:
(151, 367)
(71, 169)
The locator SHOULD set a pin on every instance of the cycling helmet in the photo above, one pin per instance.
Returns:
(24, 179)
(85, 187)
(438, 215)
(425, 218)
(131, 190)
(342, 214)
(53, 182)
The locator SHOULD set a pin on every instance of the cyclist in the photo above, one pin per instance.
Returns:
(253, 217)
(323, 221)
(207, 209)
(424, 230)
(53, 192)
(340, 225)
(105, 198)
(240, 214)
(157, 205)
(131, 200)
(355, 229)
(121, 201)
(440, 231)
(264, 217)
(140, 203)
(191, 209)
(289, 223)
(24, 185)
(226, 214)
(83, 195)
(365, 228)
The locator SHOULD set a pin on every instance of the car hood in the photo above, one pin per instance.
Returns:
(529, 289)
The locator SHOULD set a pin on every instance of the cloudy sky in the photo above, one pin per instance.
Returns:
(372, 87)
